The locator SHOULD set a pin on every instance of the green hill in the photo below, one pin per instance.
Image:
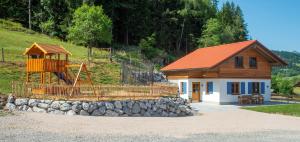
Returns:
(293, 60)
(13, 69)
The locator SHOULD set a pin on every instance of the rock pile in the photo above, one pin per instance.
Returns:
(163, 107)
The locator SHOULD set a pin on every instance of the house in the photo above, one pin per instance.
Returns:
(221, 73)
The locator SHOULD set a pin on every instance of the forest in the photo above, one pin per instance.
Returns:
(162, 29)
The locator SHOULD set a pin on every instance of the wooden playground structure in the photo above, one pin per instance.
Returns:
(46, 60)
(50, 74)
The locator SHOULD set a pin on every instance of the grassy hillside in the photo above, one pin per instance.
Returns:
(293, 60)
(15, 42)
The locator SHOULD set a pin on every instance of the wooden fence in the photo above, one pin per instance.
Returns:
(88, 92)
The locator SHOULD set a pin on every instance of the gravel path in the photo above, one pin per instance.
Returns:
(232, 125)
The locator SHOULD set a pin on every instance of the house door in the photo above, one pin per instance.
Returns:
(196, 91)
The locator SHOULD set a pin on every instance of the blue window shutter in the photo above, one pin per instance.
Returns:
(184, 87)
(242, 87)
(229, 88)
(210, 87)
(262, 90)
(249, 87)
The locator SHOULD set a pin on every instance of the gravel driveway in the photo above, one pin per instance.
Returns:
(231, 125)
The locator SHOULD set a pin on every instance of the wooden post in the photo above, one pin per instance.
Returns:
(2, 55)
(110, 55)
(58, 66)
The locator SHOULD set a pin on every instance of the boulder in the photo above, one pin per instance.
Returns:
(127, 110)
(85, 106)
(99, 104)
(65, 107)
(148, 104)
(136, 108)
(43, 105)
(111, 113)
(92, 107)
(29, 109)
(10, 106)
(147, 114)
(182, 108)
(83, 112)
(37, 109)
(97, 112)
(23, 108)
(76, 108)
(48, 101)
(119, 111)
(164, 114)
(163, 106)
(102, 110)
(118, 104)
(143, 105)
(20, 102)
(130, 104)
(33, 102)
(71, 112)
(172, 114)
(10, 99)
(76, 103)
(59, 112)
(55, 105)
(109, 105)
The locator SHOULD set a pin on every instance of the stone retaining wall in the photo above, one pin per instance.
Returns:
(163, 107)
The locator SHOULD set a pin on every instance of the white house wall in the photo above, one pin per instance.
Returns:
(219, 94)
(214, 97)
(227, 98)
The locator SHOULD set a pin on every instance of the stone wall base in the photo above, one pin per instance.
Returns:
(163, 107)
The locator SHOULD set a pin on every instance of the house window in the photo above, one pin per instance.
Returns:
(252, 62)
(239, 62)
(255, 88)
(235, 88)
(209, 88)
(183, 89)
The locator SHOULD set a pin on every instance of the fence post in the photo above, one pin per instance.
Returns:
(2, 50)
(110, 55)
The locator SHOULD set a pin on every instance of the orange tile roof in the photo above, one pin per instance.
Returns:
(49, 49)
(208, 57)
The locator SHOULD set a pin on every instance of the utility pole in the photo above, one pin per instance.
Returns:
(29, 14)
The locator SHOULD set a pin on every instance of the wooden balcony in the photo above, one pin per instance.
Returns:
(46, 65)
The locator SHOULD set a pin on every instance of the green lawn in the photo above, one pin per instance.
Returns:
(289, 109)
(14, 44)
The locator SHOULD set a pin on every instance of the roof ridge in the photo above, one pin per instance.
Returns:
(226, 44)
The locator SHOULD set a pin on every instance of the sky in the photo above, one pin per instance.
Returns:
(275, 23)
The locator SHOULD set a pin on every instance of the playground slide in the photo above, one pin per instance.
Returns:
(63, 77)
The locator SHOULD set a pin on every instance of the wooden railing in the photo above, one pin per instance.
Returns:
(46, 65)
(88, 92)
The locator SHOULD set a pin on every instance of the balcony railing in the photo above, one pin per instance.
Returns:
(46, 65)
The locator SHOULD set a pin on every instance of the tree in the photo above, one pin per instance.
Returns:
(282, 86)
(90, 26)
(231, 17)
(147, 46)
(215, 33)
